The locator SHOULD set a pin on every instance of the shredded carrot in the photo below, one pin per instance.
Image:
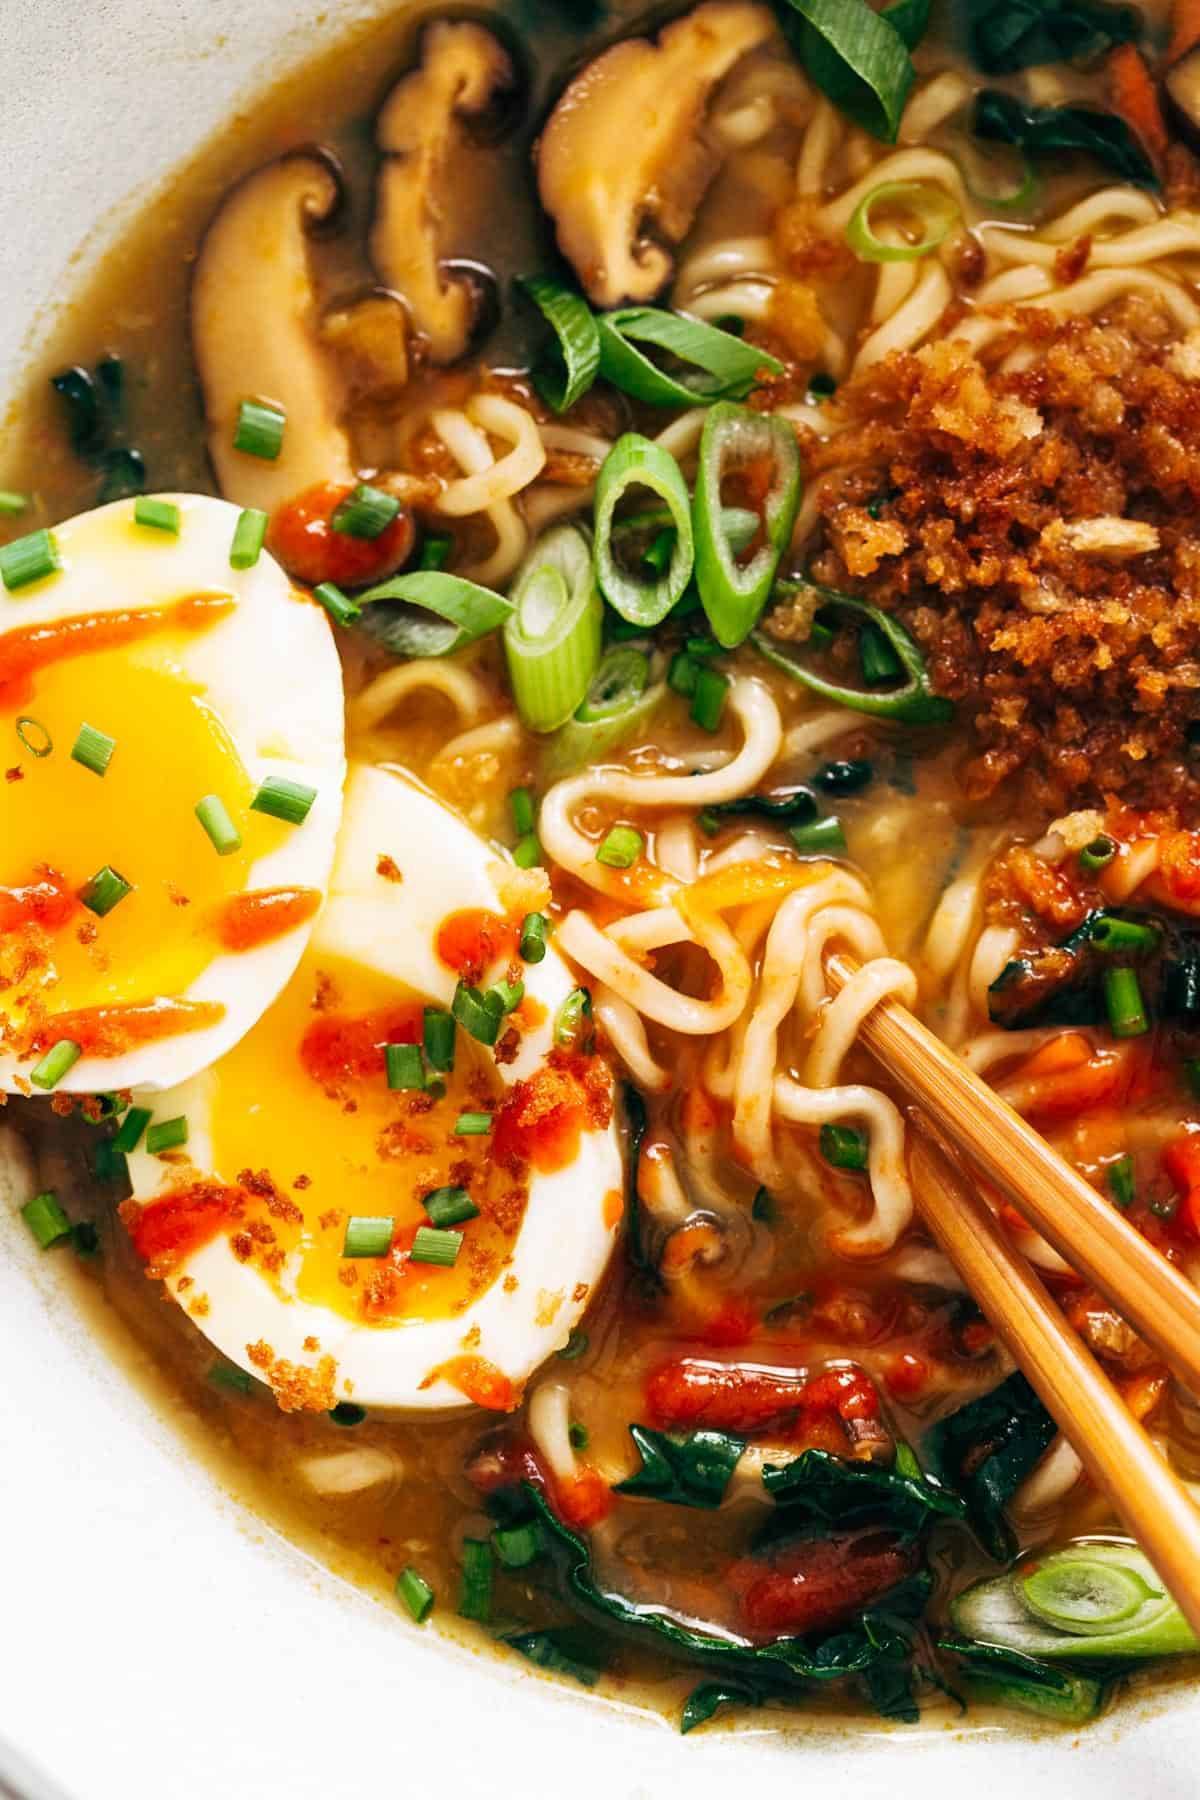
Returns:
(1185, 29)
(1133, 93)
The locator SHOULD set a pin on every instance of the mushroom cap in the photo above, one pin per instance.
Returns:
(626, 149)
(256, 330)
(462, 69)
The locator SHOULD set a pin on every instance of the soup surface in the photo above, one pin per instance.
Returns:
(809, 559)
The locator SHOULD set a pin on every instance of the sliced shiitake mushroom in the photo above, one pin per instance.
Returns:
(625, 158)
(256, 330)
(463, 72)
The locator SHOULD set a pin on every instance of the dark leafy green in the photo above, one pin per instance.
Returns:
(822, 1493)
(704, 1701)
(798, 807)
(1005, 35)
(985, 1450)
(635, 1124)
(1042, 131)
(859, 58)
(691, 1470)
(913, 703)
(564, 1649)
(1062, 984)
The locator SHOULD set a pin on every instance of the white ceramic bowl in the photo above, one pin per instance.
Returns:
(156, 1641)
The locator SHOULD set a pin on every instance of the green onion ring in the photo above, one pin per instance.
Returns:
(552, 636)
(635, 462)
(913, 704)
(462, 612)
(937, 210)
(37, 725)
(564, 379)
(727, 367)
(619, 702)
(734, 594)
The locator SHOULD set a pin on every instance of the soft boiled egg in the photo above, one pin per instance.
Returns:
(413, 1227)
(154, 699)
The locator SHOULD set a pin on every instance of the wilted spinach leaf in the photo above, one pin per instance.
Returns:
(1004, 35)
(820, 1492)
(707, 1699)
(689, 1471)
(986, 1449)
(1050, 130)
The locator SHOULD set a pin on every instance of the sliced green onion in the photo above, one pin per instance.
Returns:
(932, 205)
(1121, 1184)
(12, 503)
(876, 658)
(507, 995)
(46, 1219)
(438, 1248)
(573, 1021)
(657, 555)
(414, 1592)
(249, 536)
(1115, 936)
(475, 1595)
(823, 837)
(129, 1133)
(552, 636)
(368, 1236)
(105, 890)
(621, 847)
(94, 749)
(365, 513)
(575, 1346)
(708, 698)
(477, 1018)
(473, 1124)
(451, 1205)
(563, 378)
(683, 674)
(1094, 1601)
(1097, 855)
(522, 810)
(859, 59)
(223, 834)
(29, 559)
(158, 515)
(438, 1037)
(347, 1413)
(617, 703)
(532, 946)
(915, 703)
(341, 609)
(843, 1147)
(33, 736)
(259, 430)
(405, 1067)
(430, 613)
(166, 1134)
(634, 462)
(56, 1063)
(726, 368)
(290, 801)
(435, 553)
(527, 851)
(1124, 1004)
(518, 1546)
(109, 1164)
(734, 594)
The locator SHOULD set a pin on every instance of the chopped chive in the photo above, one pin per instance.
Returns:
(129, 1133)
(106, 1106)
(249, 536)
(533, 938)
(577, 1436)
(573, 1021)
(450, 1206)
(290, 801)
(405, 1066)
(414, 1592)
(94, 749)
(527, 851)
(472, 1124)
(524, 817)
(438, 1033)
(1124, 1003)
(29, 559)
(1121, 1184)
(439, 1248)
(341, 609)
(159, 515)
(109, 1164)
(683, 674)
(435, 553)
(12, 503)
(55, 1064)
(843, 1147)
(230, 1377)
(708, 699)
(575, 1345)
(473, 1013)
(105, 890)
(46, 1219)
(33, 736)
(1114, 936)
(823, 837)
(518, 1545)
(621, 848)
(368, 1236)
(507, 995)
(877, 659)
(259, 430)
(475, 1594)
(1097, 855)
(347, 1412)
(85, 1239)
(366, 513)
(1191, 1074)
(166, 1134)
(659, 551)
(223, 834)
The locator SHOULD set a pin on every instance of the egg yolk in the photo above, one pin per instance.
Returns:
(61, 824)
(305, 1126)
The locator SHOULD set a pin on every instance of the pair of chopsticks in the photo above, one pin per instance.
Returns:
(1098, 1241)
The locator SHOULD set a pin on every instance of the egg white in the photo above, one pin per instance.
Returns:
(270, 672)
(568, 1231)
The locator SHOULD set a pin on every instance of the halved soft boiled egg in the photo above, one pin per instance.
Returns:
(171, 772)
(404, 1184)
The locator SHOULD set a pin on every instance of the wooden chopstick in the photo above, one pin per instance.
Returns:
(1121, 1459)
(1094, 1237)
